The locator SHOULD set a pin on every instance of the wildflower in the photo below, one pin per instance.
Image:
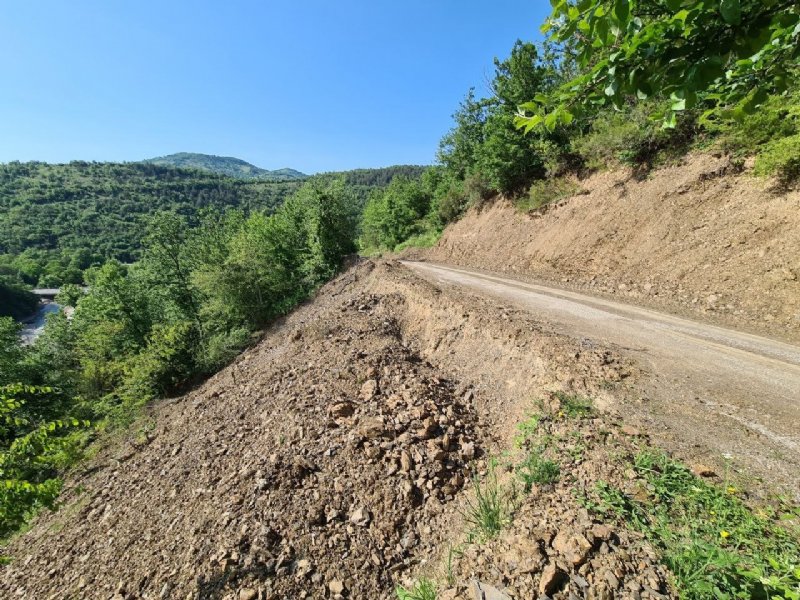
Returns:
(732, 490)
(724, 534)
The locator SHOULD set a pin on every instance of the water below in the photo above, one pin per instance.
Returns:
(33, 327)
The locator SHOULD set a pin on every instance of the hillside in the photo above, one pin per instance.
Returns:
(334, 459)
(224, 165)
(57, 219)
(698, 238)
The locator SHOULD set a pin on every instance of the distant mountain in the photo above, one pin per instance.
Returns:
(224, 165)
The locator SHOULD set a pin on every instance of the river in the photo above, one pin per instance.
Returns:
(33, 326)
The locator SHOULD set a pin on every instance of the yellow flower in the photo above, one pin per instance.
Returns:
(724, 534)
(732, 490)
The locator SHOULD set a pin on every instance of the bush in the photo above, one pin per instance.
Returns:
(546, 191)
(631, 137)
(782, 159)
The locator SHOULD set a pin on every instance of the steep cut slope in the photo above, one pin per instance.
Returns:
(224, 165)
(332, 460)
(699, 238)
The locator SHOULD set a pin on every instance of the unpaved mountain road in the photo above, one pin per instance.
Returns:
(714, 395)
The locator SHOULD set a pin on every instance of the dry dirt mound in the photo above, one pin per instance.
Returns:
(697, 238)
(332, 460)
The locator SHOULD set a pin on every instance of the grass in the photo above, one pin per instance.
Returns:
(574, 406)
(537, 470)
(426, 239)
(489, 512)
(423, 589)
(714, 544)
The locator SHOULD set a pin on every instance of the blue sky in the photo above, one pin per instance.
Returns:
(312, 85)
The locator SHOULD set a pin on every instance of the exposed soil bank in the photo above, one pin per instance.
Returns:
(698, 238)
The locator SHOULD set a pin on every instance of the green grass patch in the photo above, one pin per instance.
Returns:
(782, 159)
(426, 239)
(423, 589)
(714, 544)
(546, 191)
(535, 469)
(489, 511)
(574, 406)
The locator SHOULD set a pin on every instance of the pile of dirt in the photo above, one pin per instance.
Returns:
(701, 238)
(331, 460)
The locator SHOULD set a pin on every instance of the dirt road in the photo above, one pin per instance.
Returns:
(714, 395)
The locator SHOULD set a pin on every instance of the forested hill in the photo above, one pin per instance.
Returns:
(224, 165)
(57, 219)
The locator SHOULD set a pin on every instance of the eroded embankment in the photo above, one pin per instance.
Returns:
(335, 459)
(697, 238)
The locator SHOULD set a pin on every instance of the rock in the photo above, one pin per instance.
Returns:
(360, 517)
(468, 451)
(369, 389)
(248, 594)
(484, 591)
(406, 464)
(336, 587)
(574, 548)
(631, 431)
(341, 410)
(701, 470)
(552, 578)
(372, 428)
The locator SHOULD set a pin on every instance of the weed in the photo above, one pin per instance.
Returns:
(536, 469)
(449, 575)
(426, 239)
(781, 158)
(527, 429)
(488, 513)
(573, 405)
(709, 539)
(423, 589)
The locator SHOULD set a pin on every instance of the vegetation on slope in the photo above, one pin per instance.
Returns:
(58, 220)
(224, 165)
(144, 330)
(631, 82)
(15, 301)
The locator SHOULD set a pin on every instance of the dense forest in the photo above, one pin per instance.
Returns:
(224, 165)
(184, 266)
(58, 220)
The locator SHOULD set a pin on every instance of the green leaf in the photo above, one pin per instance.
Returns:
(731, 11)
(674, 4)
(622, 10)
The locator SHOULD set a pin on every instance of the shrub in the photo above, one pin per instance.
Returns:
(631, 137)
(781, 158)
(546, 191)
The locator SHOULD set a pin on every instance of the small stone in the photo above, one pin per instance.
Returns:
(631, 431)
(484, 591)
(336, 587)
(369, 389)
(248, 594)
(341, 410)
(552, 578)
(360, 517)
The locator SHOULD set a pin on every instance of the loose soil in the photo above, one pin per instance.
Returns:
(700, 238)
(335, 458)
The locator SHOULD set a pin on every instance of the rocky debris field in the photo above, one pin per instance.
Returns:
(318, 465)
(338, 457)
(555, 544)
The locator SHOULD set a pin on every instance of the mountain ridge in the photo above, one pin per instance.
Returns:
(224, 165)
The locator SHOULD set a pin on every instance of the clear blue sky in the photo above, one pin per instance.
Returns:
(311, 85)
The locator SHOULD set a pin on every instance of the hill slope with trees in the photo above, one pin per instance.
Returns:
(224, 165)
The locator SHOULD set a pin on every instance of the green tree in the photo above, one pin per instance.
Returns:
(723, 56)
